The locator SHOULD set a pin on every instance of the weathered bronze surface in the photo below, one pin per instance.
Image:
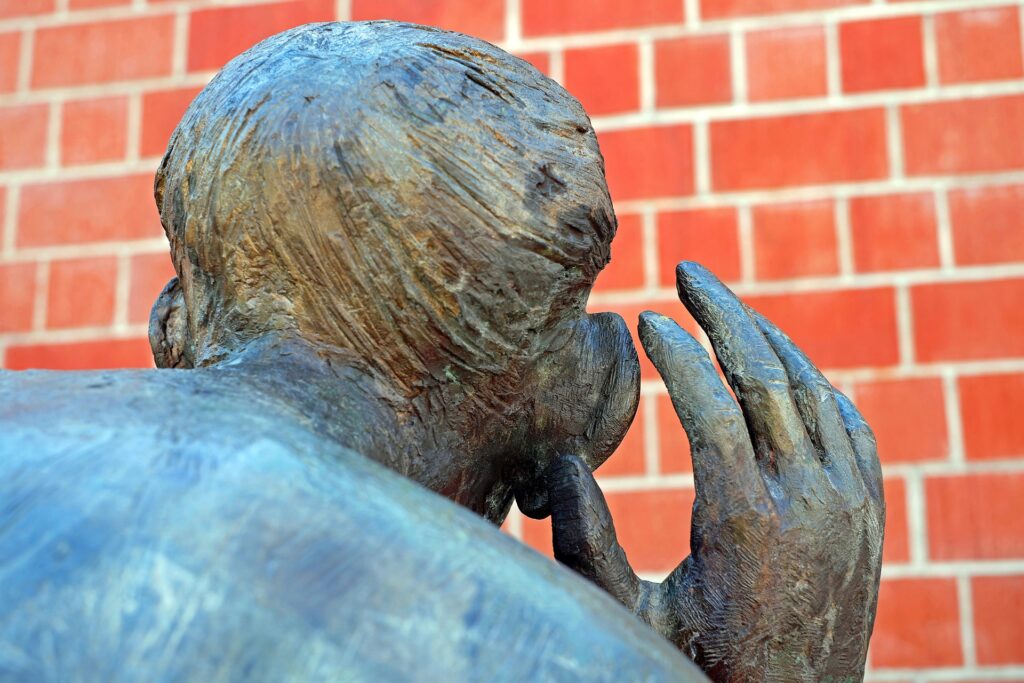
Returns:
(385, 236)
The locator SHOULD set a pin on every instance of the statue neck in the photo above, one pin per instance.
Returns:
(416, 438)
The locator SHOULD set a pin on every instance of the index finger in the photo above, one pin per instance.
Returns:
(723, 457)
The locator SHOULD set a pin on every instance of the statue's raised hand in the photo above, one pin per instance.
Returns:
(782, 579)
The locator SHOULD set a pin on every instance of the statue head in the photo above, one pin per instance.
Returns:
(421, 203)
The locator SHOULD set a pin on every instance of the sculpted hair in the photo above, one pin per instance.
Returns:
(417, 197)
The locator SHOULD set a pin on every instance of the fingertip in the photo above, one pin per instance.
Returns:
(649, 324)
(689, 273)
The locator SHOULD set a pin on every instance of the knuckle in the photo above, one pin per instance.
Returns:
(763, 382)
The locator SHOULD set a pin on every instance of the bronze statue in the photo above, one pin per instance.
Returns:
(385, 236)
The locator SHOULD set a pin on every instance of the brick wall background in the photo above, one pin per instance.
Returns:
(854, 168)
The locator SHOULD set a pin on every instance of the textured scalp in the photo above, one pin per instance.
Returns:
(416, 196)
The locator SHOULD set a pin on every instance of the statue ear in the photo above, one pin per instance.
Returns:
(168, 329)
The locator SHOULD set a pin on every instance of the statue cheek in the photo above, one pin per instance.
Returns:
(611, 390)
(587, 394)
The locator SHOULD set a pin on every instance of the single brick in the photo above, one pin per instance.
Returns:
(786, 63)
(481, 18)
(708, 236)
(626, 268)
(908, 417)
(653, 526)
(10, 60)
(673, 445)
(543, 17)
(23, 142)
(90, 355)
(988, 224)
(17, 296)
(82, 292)
(843, 328)
(628, 458)
(991, 406)
(968, 320)
(917, 624)
(963, 136)
(23, 8)
(975, 516)
(161, 112)
(998, 619)
(91, 210)
(795, 240)
(881, 54)
(218, 34)
(649, 162)
(800, 149)
(605, 79)
(896, 549)
(94, 130)
(149, 274)
(894, 232)
(979, 45)
(693, 70)
(79, 54)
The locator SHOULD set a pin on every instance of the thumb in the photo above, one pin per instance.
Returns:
(583, 533)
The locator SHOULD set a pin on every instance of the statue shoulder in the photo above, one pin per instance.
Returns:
(227, 549)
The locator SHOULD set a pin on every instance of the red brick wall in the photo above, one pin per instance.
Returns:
(855, 168)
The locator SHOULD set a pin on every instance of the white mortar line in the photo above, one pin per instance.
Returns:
(931, 52)
(844, 238)
(647, 77)
(905, 325)
(828, 284)
(944, 227)
(70, 335)
(557, 66)
(39, 309)
(748, 267)
(691, 13)
(514, 523)
(649, 234)
(27, 47)
(738, 64)
(134, 127)
(54, 134)
(513, 24)
(963, 592)
(85, 249)
(952, 411)
(917, 519)
(10, 222)
(343, 9)
(833, 62)
(894, 141)
(122, 292)
(702, 158)
(179, 45)
(936, 570)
